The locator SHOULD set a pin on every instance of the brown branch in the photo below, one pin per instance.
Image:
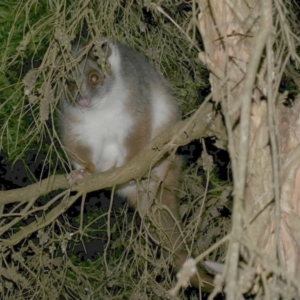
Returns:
(203, 123)
(259, 44)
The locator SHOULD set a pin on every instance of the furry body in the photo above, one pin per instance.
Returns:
(107, 120)
(113, 120)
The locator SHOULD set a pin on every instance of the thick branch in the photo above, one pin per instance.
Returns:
(203, 123)
(246, 98)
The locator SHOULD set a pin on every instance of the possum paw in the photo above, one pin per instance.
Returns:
(217, 267)
(76, 175)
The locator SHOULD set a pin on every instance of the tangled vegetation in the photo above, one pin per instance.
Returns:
(80, 243)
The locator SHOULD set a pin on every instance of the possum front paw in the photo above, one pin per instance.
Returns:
(76, 175)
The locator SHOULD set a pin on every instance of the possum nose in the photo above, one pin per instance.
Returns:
(84, 102)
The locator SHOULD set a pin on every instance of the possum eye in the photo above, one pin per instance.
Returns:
(71, 85)
(94, 78)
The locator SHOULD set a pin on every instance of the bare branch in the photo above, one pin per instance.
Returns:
(204, 122)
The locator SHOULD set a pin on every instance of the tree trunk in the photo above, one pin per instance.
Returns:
(246, 64)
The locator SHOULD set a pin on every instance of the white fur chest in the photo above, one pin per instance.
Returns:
(103, 130)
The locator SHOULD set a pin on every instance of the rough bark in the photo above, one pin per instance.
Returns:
(264, 147)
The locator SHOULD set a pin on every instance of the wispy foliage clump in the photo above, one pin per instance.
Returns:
(36, 33)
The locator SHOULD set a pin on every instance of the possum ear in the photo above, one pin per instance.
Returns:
(100, 50)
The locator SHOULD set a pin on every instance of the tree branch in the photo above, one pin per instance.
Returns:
(203, 123)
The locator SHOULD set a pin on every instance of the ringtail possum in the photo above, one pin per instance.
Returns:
(108, 117)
